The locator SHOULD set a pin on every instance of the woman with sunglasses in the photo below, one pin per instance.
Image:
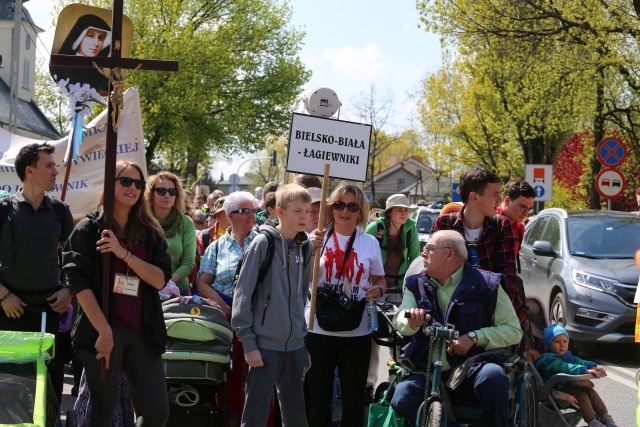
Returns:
(351, 272)
(218, 265)
(132, 336)
(165, 195)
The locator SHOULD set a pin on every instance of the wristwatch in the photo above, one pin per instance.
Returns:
(473, 336)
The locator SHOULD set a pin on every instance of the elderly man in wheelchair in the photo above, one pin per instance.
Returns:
(449, 291)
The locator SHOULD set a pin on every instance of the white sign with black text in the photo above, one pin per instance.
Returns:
(316, 141)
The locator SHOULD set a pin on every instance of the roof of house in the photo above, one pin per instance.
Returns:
(401, 165)
(6, 13)
(29, 116)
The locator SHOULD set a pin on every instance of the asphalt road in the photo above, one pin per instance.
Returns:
(618, 390)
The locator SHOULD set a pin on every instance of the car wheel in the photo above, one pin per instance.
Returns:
(558, 312)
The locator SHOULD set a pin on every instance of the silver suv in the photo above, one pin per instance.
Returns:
(580, 266)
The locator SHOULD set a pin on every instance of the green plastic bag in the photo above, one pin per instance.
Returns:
(382, 414)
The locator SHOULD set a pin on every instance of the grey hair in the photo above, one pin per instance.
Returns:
(454, 240)
(233, 201)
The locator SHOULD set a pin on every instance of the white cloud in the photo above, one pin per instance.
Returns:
(365, 63)
(407, 27)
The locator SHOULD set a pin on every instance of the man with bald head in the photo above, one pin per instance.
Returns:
(450, 291)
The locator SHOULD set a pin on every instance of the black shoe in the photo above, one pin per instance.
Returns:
(368, 396)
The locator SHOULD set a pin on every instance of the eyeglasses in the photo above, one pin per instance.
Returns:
(162, 191)
(431, 248)
(198, 222)
(351, 207)
(126, 182)
(245, 212)
(523, 208)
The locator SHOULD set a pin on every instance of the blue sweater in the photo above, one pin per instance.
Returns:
(550, 364)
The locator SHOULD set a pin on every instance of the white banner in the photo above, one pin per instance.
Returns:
(86, 180)
(316, 141)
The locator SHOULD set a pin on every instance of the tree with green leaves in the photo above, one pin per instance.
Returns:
(238, 80)
(599, 40)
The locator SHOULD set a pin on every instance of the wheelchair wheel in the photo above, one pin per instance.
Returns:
(380, 391)
(435, 415)
(531, 402)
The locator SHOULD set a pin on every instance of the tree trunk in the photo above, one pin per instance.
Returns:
(150, 150)
(191, 169)
(598, 134)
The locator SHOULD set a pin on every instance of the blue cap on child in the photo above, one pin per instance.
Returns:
(551, 332)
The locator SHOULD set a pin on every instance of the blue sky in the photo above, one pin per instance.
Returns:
(349, 45)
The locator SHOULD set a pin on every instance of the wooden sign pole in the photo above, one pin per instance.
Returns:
(316, 255)
(116, 85)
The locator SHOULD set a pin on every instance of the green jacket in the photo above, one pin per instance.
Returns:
(411, 250)
(182, 250)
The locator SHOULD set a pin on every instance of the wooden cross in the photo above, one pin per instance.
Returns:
(113, 62)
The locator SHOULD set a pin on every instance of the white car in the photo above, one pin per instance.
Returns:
(424, 218)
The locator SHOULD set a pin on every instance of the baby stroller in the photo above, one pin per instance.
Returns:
(196, 362)
(552, 410)
(26, 395)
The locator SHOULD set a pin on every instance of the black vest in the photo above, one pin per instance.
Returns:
(471, 308)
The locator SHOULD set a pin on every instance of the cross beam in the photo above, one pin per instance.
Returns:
(114, 61)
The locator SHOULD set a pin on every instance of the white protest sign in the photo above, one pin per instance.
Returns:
(86, 180)
(316, 141)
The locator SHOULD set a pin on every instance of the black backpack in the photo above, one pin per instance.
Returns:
(268, 260)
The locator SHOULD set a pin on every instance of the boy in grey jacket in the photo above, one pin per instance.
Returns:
(268, 317)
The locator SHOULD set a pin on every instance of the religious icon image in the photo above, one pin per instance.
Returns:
(84, 31)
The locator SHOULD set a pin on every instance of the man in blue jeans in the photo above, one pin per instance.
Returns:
(474, 301)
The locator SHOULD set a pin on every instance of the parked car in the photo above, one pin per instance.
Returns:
(424, 218)
(580, 266)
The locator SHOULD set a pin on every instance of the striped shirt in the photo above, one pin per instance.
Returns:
(221, 260)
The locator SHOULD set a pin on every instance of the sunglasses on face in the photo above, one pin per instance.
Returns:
(351, 207)
(126, 182)
(245, 212)
(162, 191)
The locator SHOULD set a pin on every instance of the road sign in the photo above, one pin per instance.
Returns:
(610, 183)
(611, 152)
(541, 179)
(539, 191)
(455, 196)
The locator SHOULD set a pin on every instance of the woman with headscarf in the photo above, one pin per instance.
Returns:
(90, 36)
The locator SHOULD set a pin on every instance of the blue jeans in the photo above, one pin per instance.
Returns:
(490, 385)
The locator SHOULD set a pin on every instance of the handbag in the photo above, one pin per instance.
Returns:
(332, 317)
(381, 414)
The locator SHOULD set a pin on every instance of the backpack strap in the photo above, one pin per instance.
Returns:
(380, 234)
(5, 209)
(60, 209)
(268, 259)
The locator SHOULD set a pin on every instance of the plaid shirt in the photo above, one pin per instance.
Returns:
(222, 264)
(498, 260)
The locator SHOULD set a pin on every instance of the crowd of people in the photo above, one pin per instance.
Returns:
(163, 244)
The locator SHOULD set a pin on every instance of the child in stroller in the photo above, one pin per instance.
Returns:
(558, 359)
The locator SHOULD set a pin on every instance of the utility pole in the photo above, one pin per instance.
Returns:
(15, 64)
